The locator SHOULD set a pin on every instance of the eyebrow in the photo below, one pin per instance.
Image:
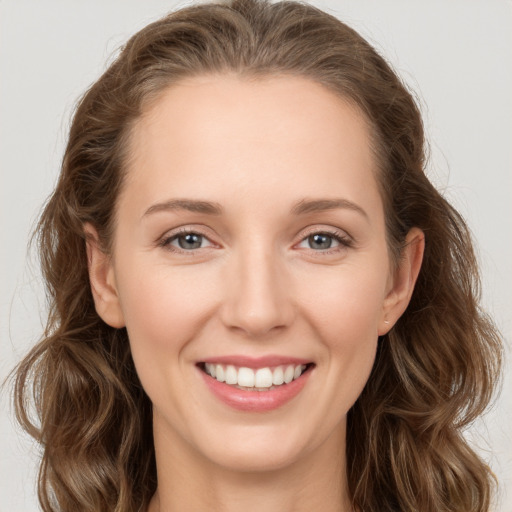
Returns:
(321, 205)
(191, 205)
(302, 207)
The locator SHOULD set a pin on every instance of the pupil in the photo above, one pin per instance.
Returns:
(320, 241)
(190, 241)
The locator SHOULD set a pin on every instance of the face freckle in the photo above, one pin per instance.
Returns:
(251, 226)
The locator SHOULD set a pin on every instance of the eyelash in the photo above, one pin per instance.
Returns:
(339, 236)
(344, 241)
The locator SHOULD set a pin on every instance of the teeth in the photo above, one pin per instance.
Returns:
(261, 379)
(231, 375)
(246, 377)
(219, 373)
(278, 376)
(288, 374)
(209, 369)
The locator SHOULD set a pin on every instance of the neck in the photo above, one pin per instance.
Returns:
(187, 482)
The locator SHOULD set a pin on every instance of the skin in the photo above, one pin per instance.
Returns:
(256, 286)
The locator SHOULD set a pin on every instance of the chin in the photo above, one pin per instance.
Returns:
(254, 461)
(246, 451)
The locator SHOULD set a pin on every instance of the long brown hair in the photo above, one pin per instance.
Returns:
(436, 370)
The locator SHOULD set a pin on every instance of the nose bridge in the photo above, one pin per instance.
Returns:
(259, 298)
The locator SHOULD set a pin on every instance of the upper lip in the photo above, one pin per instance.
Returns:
(256, 362)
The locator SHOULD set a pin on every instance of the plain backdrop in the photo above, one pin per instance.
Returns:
(456, 56)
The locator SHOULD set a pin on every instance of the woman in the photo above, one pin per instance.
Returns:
(258, 298)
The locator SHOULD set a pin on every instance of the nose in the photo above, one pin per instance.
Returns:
(258, 299)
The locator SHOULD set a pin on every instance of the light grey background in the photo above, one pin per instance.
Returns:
(456, 55)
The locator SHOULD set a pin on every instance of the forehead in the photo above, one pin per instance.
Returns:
(289, 104)
(273, 135)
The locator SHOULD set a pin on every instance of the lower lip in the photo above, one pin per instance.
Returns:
(255, 401)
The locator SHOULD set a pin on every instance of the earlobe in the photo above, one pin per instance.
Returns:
(404, 280)
(102, 279)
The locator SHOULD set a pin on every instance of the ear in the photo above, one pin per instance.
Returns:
(403, 280)
(102, 279)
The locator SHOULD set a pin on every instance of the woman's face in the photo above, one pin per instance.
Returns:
(250, 234)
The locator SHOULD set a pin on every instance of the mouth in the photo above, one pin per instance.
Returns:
(260, 379)
(256, 384)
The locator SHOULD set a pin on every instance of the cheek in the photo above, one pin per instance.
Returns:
(164, 308)
(346, 301)
(346, 317)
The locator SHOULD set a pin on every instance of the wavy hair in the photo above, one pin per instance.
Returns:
(434, 373)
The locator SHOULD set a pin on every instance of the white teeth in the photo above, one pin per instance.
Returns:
(219, 373)
(231, 375)
(210, 369)
(278, 376)
(261, 379)
(246, 377)
(288, 374)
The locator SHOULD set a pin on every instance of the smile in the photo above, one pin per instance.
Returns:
(255, 379)
(255, 385)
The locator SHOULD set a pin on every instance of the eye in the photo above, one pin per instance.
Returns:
(320, 241)
(185, 241)
(326, 241)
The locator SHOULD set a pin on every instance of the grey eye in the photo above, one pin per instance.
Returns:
(320, 241)
(190, 241)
